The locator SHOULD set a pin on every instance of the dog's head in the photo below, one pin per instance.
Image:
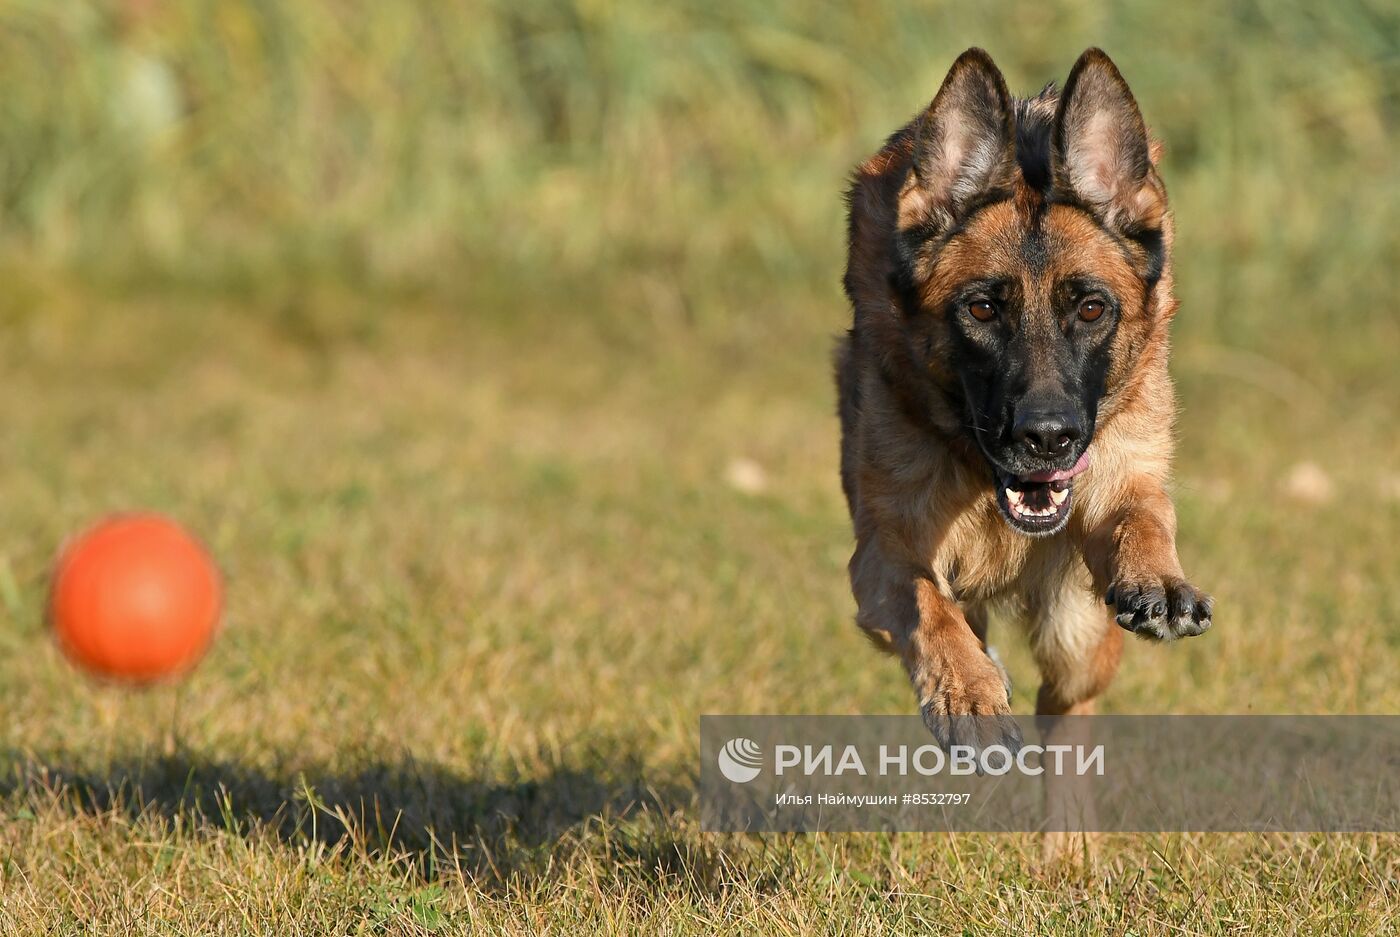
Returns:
(1029, 239)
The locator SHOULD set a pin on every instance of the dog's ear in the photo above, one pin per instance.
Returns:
(963, 146)
(1100, 153)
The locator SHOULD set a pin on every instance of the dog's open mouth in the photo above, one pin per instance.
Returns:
(1040, 502)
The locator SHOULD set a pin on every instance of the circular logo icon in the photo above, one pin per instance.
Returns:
(740, 760)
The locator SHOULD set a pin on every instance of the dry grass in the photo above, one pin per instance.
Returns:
(484, 580)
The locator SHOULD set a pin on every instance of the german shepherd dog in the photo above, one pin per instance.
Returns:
(1006, 412)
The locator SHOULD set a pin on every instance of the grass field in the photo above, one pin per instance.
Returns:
(482, 585)
(512, 481)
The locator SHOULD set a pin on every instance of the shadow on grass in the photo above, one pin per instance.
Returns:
(425, 815)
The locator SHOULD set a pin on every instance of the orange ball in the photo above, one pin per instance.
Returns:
(135, 598)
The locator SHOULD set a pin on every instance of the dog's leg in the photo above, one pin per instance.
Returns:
(1133, 559)
(1077, 648)
(961, 693)
(977, 619)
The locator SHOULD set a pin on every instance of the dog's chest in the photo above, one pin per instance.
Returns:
(982, 558)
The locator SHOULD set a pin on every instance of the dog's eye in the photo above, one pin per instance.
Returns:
(1090, 309)
(982, 310)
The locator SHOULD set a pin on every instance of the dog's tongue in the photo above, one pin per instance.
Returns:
(1059, 475)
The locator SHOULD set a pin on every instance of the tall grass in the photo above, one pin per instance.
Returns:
(681, 147)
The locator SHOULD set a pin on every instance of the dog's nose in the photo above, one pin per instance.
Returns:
(1047, 435)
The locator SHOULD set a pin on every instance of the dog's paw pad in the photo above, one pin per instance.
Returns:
(1162, 610)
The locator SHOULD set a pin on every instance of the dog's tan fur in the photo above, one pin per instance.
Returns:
(933, 554)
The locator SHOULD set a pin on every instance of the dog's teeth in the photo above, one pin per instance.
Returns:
(1059, 496)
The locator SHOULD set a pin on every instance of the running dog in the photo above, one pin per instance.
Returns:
(1006, 412)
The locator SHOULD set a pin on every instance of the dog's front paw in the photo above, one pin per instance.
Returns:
(971, 709)
(1160, 609)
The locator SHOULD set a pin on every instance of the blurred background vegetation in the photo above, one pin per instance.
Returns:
(680, 160)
